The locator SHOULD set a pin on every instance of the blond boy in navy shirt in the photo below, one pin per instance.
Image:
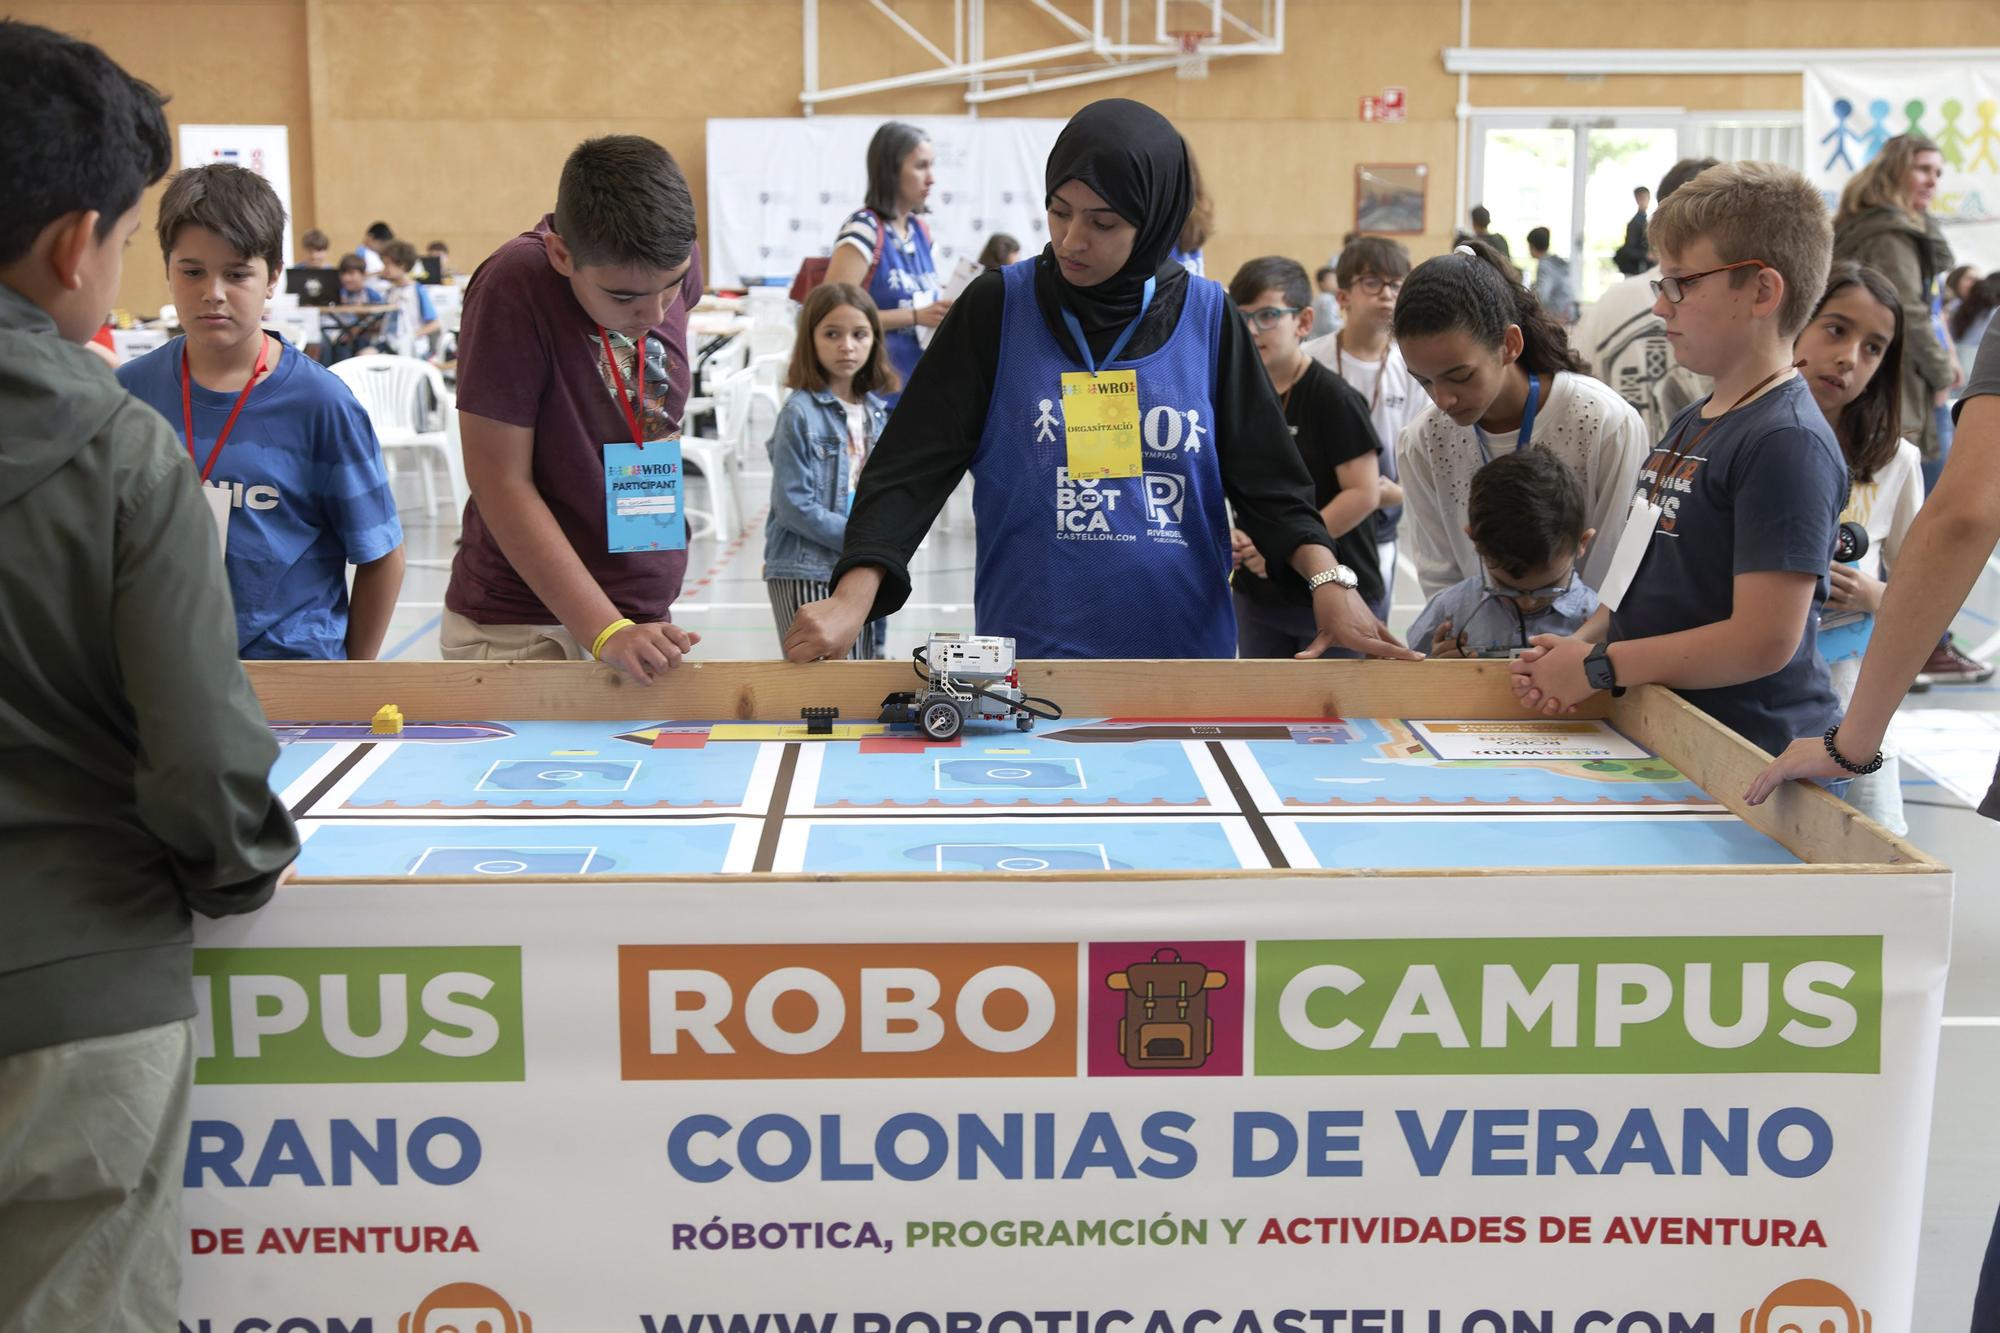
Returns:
(1750, 481)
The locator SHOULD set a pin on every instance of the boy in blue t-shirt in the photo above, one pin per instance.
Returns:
(1725, 600)
(273, 431)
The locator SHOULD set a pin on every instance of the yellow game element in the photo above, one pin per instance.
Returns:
(994, 751)
(388, 721)
(792, 731)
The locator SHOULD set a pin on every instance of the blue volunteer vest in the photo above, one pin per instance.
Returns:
(1131, 567)
(898, 276)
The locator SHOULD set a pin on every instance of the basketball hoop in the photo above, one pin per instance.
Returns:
(1194, 60)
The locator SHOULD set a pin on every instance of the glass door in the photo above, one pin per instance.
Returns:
(1616, 160)
(1529, 182)
(1574, 174)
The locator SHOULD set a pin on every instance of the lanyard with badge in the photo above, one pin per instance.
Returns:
(1642, 519)
(1101, 407)
(642, 491)
(217, 497)
(1527, 422)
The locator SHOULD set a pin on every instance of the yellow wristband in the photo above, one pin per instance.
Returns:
(597, 649)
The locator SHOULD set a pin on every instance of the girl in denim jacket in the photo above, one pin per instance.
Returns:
(824, 433)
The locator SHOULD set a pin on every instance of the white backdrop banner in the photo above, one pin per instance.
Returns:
(779, 188)
(264, 149)
(1560, 1103)
(1852, 110)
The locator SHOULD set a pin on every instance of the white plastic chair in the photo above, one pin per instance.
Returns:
(719, 459)
(391, 390)
(767, 374)
(724, 362)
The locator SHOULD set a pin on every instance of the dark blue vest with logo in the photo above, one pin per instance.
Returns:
(1127, 567)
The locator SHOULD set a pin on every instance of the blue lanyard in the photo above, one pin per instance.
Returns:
(1083, 345)
(1527, 421)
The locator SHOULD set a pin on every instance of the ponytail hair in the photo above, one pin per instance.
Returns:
(1474, 289)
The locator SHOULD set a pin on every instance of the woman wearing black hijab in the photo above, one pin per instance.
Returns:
(1134, 564)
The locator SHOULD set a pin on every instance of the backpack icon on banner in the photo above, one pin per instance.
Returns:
(1166, 1023)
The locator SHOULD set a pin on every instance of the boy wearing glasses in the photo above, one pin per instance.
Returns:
(1329, 424)
(1527, 519)
(1368, 277)
(1739, 504)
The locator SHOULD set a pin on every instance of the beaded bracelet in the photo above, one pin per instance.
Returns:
(1833, 750)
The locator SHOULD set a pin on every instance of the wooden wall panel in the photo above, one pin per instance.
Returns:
(1730, 24)
(222, 62)
(450, 118)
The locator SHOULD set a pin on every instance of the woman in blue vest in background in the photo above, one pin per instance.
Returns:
(1118, 363)
(884, 247)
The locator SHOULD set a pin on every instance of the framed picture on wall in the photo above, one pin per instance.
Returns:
(1389, 197)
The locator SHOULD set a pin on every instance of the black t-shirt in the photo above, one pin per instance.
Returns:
(1762, 491)
(1330, 425)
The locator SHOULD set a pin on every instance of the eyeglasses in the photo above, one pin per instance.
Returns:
(1509, 600)
(1674, 289)
(1268, 316)
(1375, 285)
(1548, 594)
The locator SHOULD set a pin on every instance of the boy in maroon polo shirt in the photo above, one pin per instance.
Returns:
(614, 267)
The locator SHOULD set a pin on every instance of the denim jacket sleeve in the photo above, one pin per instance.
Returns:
(796, 501)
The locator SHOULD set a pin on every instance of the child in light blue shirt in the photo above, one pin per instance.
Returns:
(1526, 520)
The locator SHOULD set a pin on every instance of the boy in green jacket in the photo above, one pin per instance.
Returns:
(134, 761)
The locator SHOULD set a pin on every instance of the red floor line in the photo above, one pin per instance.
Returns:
(728, 552)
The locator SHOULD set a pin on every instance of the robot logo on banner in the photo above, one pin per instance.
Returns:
(464, 1305)
(1807, 1303)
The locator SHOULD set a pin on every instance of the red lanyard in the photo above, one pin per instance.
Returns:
(187, 406)
(638, 403)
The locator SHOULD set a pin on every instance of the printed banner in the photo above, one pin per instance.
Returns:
(780, 188)
(1595, 1104)
(1852, 110)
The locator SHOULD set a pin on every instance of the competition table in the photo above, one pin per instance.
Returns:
(1457, 1011)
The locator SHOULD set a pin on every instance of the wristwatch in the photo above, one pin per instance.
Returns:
(1339, 574)
(1598, 671)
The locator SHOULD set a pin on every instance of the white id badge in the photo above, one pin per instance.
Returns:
(218, 498)
(1640, 521)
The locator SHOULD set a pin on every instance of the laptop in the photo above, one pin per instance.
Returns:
(313, 286)
(430, 271)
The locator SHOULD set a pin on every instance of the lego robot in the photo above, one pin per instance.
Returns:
(966, 677)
